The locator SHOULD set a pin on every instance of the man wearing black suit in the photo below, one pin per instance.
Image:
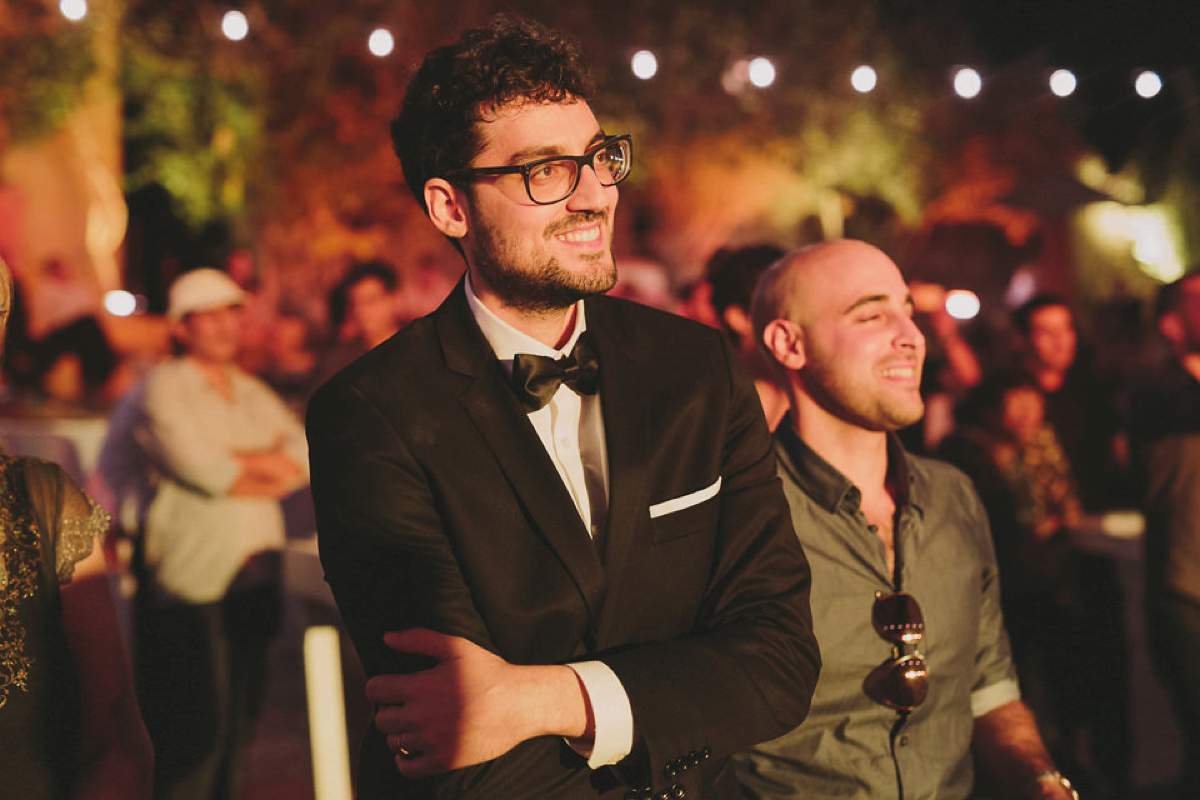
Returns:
(551, 519)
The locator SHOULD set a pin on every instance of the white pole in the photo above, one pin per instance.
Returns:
(326, 713)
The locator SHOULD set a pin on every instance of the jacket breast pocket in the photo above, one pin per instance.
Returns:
(686, 515)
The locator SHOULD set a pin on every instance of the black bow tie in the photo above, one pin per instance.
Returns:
(537, 378)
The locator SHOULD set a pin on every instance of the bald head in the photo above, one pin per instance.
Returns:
(837, 320)
(791, 288)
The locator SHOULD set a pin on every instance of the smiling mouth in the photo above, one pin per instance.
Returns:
(906, 373)
(581, 235)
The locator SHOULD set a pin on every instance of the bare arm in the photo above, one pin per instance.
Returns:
(930, 298)
(1008, 745)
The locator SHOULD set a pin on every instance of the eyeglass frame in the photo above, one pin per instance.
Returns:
(899, 642)
(586, 160)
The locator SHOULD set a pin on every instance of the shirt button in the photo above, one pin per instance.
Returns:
(903, 741)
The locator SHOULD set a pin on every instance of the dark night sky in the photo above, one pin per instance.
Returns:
(1104, 42)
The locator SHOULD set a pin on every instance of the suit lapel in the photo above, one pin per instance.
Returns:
(493, 407)
(625, 430)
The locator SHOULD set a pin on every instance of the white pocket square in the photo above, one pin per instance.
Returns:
(685, 501)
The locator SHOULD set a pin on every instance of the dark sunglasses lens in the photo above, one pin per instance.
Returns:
(901, 684)
(897, 619)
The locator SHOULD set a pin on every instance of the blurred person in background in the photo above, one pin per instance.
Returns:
(364, 310)
(694, 301)
(731, 274)
(1165, 438)
(1067, 632)
(53, 315)
(291, 359)
(1082, 409)
(644, 281)
(952, 368)
(69, 722)
(221, 450)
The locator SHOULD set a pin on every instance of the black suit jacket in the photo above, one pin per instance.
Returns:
(438, 507)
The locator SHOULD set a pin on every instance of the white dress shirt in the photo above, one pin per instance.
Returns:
(571, 428)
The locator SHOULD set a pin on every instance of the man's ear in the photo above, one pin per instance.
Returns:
(447, 207)
(784, 340)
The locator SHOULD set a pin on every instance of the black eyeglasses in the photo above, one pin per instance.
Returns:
(551, 180)
(902, 681)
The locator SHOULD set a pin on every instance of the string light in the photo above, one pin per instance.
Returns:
(761, 72)
(962, 304)
(1062, 82)
(863, 79)
(381, 42)
(1147, 84)
(967, 83)
(73, 10)
(644, 64)
(235, 26)
(120, 303)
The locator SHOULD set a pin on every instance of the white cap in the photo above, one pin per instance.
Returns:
(203, 289)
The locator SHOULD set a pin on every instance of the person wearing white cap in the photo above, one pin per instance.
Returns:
(222, 449)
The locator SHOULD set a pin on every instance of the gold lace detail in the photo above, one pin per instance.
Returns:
(20, 576)
(76, 537)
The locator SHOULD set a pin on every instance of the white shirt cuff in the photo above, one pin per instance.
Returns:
(991, 697)
(611, 712)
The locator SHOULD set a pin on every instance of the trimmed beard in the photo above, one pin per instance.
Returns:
(542, 288)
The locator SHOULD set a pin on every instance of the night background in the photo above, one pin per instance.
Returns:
(142, 138)
(276, 144)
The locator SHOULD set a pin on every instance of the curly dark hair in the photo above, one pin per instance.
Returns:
(435, 129)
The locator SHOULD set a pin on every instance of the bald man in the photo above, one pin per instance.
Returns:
(905, 596)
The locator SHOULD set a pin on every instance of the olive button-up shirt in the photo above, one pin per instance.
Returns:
(850, 746)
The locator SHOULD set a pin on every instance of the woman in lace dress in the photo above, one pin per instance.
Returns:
(69, 723)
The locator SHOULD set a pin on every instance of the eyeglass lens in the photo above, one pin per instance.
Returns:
(555, 179)
(902, 681)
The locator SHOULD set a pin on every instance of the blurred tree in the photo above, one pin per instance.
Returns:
(283, 135)
(44, 61)
(280, 140)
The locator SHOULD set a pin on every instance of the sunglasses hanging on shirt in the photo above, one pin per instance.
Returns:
(902, 681)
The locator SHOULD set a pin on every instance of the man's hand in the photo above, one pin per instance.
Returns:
(471, 707)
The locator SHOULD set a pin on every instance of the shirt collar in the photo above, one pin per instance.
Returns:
(828, 487)
(507, 341)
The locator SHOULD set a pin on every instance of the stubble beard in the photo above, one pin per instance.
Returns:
(540, 288)
(857, 404)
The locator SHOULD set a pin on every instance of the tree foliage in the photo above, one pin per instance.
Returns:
(282, 138)
(44, 63)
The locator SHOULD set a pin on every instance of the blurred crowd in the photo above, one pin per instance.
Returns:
(1034, 411)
